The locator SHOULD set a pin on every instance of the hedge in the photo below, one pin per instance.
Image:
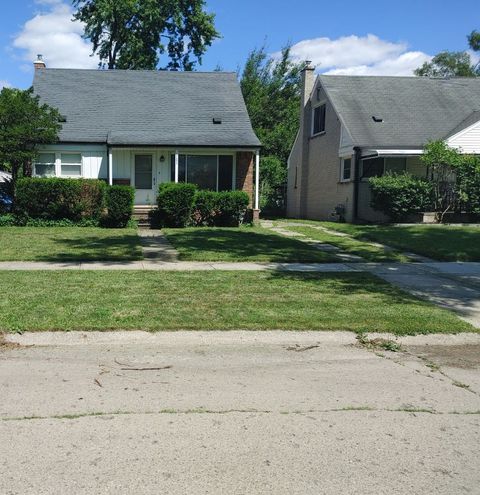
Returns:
(59, 199)
(400, 195)
(119, 202)
(175, 204)
(180, 205)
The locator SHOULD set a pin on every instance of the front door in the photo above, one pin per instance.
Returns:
(144, 180)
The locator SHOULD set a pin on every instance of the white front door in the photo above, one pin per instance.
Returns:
(144, 179)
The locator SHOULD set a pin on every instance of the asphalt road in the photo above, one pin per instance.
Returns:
(238, 413)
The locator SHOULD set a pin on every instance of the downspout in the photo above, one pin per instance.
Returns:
(356, 182)
(108, 164)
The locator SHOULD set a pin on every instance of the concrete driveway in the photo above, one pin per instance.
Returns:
(238, 413)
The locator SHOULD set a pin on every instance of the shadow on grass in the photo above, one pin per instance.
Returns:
(93, 248)
(241, 245)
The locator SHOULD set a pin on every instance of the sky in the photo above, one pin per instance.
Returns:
(339, 36)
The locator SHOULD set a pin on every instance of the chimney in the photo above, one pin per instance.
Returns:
(39, 63)
(308, 81)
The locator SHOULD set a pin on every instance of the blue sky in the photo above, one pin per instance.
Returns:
(346, 37)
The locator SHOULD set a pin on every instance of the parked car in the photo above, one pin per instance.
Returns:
(5, 192)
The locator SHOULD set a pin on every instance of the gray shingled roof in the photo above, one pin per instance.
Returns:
(147, 107)
(414, 109)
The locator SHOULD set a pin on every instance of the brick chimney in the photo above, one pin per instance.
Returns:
(39, 63)
(308, 81)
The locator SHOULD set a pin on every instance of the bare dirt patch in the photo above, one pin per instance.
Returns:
(454, 356)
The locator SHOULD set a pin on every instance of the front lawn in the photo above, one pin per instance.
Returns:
(440, 242)
(68, 244)
(242, 244)
(217, 300)
(352, 246)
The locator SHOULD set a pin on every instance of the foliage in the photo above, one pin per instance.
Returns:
(119, 202)
(7, 220)
(400, 195)
(448, 64)
(175, 204)
(59, 199)
(271, 88)
(442, 162)
(24, 124)
(204, 209)
(468, 184)
(133, 34)
(273, 177)
(230, 208)
(474, 40)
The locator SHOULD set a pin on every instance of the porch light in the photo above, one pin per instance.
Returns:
(162, 159)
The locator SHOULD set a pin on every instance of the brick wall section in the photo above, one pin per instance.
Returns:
(245, 166)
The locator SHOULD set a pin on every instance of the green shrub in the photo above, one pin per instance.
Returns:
(7, 220)
(59, 199)
(175, 204)
(468, 185)
(119, 203)
(231, 207)
(400, 195)
(204, 208)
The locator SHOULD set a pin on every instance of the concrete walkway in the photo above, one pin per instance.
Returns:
(156, 246)
(286, 413)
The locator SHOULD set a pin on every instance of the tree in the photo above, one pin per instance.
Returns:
(24, 124)
(271, 88)
(133, 34)
(474, 41)
(448, 64)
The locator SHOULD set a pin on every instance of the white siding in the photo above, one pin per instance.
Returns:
(94, 158)
(467, 140)
(122, 164)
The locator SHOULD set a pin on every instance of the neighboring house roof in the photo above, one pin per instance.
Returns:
(4, 176)
(147, 107)
(414, 110)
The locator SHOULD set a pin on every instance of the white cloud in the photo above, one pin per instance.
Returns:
(54, 34)
(356, 55)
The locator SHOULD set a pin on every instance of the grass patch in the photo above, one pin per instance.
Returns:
(217, 300)
(242, 244)
(352, 246)
(68, 244)
(439, 242)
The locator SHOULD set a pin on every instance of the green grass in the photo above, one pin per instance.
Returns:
(217, 300)
(68, 244)
(352, 246)
(241, 244)
(440, 242)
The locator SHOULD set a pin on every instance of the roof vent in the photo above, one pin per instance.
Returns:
(217, 120)
(377, 119)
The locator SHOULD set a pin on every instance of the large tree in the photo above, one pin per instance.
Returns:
(448, 64)
(25, 123)
(134, 34)
(453, 64)
(271, 88)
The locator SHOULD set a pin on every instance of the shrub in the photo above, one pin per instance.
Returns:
(231, 207)
(175, 204)
(58, 199)
(204, 208)
(400, 195)
(7, 220)
(119, 202)
(468, 185)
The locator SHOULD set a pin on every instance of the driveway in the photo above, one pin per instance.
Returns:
(237, 413)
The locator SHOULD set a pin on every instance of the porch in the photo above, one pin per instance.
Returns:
(213, 169)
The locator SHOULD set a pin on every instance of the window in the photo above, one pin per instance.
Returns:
(372, 167)
(345, 169)
(71, 165)
(319, 114)
(396, 164)
(45, 165)
(143, 172)
(209, 172)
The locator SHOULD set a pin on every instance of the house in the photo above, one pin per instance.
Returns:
(356, 127)
(143, 128)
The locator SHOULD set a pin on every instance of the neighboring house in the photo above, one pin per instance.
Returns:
(143, 128)
(356, 127)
